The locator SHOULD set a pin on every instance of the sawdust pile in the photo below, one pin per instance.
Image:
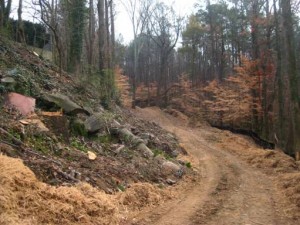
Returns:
(142, 195)
(291, 184)
(25, 200)
(274, 161)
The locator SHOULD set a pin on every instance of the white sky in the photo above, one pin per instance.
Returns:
(123, 24)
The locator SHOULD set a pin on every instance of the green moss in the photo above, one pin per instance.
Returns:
(106, 139)
(38, 143)
(121, 187)
(188, 165)
(157, 152)
(78, 129)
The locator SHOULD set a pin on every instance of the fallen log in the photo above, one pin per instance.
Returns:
(139, 143)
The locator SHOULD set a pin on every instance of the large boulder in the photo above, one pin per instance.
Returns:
(95, 123)
(65, 103)
(25, 105)
(170, 168)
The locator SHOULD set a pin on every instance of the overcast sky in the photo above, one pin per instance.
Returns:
(123, 25)
(122, 22)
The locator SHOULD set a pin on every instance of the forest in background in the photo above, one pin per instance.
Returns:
(237, 65)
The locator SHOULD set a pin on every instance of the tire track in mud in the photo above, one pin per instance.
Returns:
(228, 191)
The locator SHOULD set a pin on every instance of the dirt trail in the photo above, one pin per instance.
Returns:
(228, 191)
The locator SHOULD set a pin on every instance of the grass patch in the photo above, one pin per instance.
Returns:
(79, 145)
(158, 151)
(39, 143)
(106, 139)
(188, 165)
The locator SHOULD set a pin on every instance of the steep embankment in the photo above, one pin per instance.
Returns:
(83, 164)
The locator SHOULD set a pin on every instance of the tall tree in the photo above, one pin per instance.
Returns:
(165, 29)
(50, 17)
(101, 34)
(292, 77)
(20, 30)
(77, 23)
(5, 8)
(112, 32)
(91, 36)
(138, 12)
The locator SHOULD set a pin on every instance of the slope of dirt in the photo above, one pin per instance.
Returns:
(25, 200)
(230, 190)
(59, 155)
(127, 171)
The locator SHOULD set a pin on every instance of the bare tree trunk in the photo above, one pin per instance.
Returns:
(293, 144)
(135, 70)
(20, 31)
(4, 12)
(91, 36)
(107, 52)
(2, 6)
(112, 33)
(7, 10)
(279, 80)
(101, 35)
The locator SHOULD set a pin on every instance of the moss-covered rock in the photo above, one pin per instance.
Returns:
(77, 128)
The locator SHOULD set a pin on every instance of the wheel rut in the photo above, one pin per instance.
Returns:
(227, 191)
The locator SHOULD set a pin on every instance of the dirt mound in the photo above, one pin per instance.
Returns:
(291, 184)
(142, 195)
(270, 160)
(273, 159)
(25, 200)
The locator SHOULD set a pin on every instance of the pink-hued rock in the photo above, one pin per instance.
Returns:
(25, 105)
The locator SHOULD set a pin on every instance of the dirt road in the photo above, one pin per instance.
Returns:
(227, 191)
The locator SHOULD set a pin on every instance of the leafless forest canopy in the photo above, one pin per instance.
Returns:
(233, 63)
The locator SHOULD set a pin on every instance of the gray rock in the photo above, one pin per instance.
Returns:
(65, 103)
(77, 175)
(169, 168)
(8, 80)
(170, 181)
(88, 109)
(118, 149)
(159, 159)
(13, 72)
(174, 153)
(145, 150)
(95, 123)
(147, 137)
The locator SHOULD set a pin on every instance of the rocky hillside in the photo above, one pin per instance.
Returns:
(55, 123)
